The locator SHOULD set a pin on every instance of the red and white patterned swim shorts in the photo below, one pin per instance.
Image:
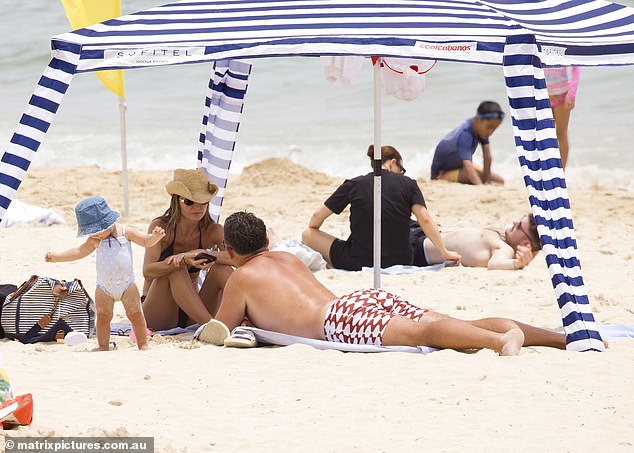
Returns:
(361, 316)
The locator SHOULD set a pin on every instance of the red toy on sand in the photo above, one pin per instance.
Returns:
(17, 411)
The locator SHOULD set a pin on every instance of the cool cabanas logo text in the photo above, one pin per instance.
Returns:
(444, 49)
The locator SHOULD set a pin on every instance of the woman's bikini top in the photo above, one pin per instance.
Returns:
(169, 251)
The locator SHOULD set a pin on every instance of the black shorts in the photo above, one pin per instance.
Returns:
(416, 239)
(341, 258)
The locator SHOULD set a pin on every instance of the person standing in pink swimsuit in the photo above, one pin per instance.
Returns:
(562, 86)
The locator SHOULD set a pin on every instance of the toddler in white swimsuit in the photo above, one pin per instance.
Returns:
(115, 276)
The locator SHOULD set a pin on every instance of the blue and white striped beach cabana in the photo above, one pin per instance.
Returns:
(519, 36)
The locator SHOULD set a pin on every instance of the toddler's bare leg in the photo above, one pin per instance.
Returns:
(104, 304)
(131, 300)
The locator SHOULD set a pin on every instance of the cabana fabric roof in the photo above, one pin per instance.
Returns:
(520, 36)
(585, 32)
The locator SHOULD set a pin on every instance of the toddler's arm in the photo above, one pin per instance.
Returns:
(145, 240)
(73, 254)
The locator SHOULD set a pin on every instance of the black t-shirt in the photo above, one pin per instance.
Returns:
(398, 194)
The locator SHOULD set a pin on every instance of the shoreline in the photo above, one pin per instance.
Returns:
(585, 177)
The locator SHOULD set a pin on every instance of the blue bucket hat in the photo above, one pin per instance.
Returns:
(94, 216)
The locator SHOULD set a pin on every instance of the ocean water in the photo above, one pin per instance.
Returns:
(291, 110)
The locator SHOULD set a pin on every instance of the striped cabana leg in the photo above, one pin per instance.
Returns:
(34, 123)
(221, 120)
(538, 153)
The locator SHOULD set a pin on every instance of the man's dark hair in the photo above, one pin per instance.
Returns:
(489, 107)
(536, 244)
(245, 233)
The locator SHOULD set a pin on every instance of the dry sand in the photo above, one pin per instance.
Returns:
(192, 397)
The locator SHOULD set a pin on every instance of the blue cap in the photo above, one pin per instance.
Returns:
(94, 216)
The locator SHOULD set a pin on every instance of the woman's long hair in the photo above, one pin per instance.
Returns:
(173, 214)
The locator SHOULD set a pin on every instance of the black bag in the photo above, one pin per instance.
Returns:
(27, 314)
(5, 290)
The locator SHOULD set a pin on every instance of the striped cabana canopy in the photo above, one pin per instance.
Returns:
(583, 32)
(519, 36)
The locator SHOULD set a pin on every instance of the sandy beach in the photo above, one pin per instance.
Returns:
(193, 397)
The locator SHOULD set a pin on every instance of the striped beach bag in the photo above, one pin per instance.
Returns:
(43, 308)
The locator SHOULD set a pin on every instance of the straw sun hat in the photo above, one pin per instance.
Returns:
(193, 185)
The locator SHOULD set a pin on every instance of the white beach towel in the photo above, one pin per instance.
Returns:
(19, 212)
(311, 258)
(281, 339)
(609, 332)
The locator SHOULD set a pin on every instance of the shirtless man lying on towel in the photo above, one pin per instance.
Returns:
(277, 292)
(512, 248)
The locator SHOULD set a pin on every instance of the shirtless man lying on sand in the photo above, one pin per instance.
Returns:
(512, 248)
(277, 292)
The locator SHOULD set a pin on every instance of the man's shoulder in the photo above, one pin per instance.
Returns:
(268, 258)
(266, 268)
(495, 237)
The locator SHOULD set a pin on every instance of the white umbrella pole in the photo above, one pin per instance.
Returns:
(377, 174)
(124, 157)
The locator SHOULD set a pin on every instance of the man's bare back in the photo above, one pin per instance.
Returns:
(277, 292)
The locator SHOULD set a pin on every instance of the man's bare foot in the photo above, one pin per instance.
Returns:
(512, 342)
(143, 347)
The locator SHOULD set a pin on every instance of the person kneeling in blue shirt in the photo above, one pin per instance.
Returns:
(453, 158)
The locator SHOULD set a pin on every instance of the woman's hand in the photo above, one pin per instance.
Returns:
(188, 259)
(178, 260)
(450, 255)
(204, 259)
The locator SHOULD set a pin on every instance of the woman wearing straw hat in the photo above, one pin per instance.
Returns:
(172, 297)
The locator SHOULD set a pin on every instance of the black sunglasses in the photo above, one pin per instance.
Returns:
(400, 167)
(528, 236)
(189, 202)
